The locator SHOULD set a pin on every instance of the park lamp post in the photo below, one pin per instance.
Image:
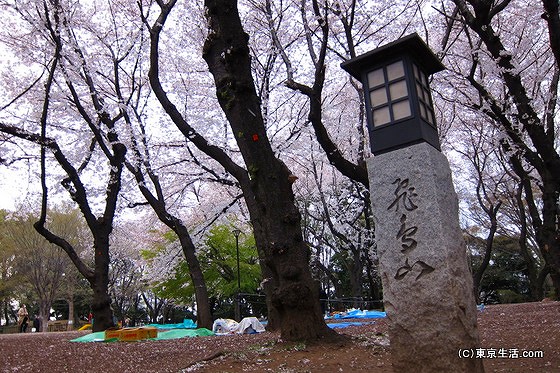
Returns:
(427, 286)
(236, 233)
(398, 102)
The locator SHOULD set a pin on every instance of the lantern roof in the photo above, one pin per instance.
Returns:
(411, 45)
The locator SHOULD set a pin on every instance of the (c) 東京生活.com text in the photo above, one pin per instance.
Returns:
(499, 353)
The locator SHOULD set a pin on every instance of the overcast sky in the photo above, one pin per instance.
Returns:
(14, 187)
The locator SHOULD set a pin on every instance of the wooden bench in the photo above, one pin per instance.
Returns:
(57, 326)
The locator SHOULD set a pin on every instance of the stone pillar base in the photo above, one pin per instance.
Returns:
(427, 284)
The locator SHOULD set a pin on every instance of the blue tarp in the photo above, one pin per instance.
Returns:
(339, 325)
(359, 314)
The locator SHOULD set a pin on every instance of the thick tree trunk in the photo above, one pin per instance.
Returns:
(547, 233)
(555, 277)
(98, 278)
(101, 306)
(268, 287)
(44, 315)
(293, 294)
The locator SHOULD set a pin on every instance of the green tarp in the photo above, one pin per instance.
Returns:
(182, 333)
(170, 334)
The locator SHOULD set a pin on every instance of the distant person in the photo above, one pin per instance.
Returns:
(37, 323)
(23, 319)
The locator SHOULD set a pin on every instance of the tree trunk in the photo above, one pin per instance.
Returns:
(70, 301)
(532, 271)
(488, 243)
(203, 311)
(268, 287)
(293, 294)
(356, 277)
(546, 230)
(539, 283)
(44, 315)
(549, 234)
(157, 202)
(101, 306)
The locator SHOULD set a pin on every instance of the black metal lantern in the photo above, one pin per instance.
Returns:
(399, 105)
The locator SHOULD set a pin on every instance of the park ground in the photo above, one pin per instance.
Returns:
(528, 328)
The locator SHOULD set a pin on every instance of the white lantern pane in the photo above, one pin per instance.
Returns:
(423, 111)
(395, 70)
(427, 96)
(378, 97)
(424, 79)
(416, 74)
(398, 90)
(401, 110)
(376, 78)
(419, 91)
(381, 116)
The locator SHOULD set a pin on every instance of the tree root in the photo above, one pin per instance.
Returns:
(212, 356)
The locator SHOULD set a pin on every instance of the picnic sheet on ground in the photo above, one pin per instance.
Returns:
(358, 314)
(186, 324)
(340, 325)
(162, 335)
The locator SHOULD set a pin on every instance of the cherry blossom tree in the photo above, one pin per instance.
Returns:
(101, 56)
(506, 54)
(66, 61)
(266, 181)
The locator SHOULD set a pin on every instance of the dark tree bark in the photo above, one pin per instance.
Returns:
(275, 217)
(100, 229)
(552, 16)
(526, 187)
(536, 276)
(488, 244)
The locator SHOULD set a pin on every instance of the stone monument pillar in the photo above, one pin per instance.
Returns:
(427, 285)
